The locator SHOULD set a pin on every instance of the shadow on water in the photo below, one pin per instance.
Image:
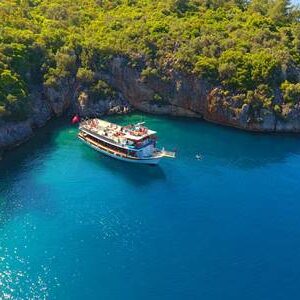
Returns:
(17, 160)
(219, 144)
(138, 175)
(248, 150)
(189, 136)
(17, 190)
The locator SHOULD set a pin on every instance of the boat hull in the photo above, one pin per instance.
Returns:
(147, 161)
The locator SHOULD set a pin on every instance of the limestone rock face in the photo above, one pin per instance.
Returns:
(230, 111)
(12, 133)
(48, 102)
(178, 95)
(41, 109)
(187, 95)
(182, 96)
(86, 107)
(61, 96)
(290, 122)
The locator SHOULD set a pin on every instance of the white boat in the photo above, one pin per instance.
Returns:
(132, 143)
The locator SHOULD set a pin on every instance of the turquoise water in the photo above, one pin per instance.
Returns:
(78, 225)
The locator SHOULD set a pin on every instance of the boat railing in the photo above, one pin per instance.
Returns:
(102, 137)
(169, 154)
(109, 150)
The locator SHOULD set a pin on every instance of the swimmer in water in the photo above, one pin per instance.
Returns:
(199, 157)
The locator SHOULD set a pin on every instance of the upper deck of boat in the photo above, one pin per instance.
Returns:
(130, 132)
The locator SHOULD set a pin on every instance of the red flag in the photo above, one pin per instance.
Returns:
(75, 119)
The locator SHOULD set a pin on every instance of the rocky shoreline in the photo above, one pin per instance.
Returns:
(180, 95)
(188, 95)
(47, 104)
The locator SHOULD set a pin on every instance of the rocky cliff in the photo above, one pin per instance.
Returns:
(187, 95)
(14, 133)
(49, 102)
(177, 95)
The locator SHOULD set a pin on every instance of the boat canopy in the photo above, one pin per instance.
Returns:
(135, 132)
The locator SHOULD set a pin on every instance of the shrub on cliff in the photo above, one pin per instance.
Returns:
(13, 96)
(291, 92)
(237, 44)
(85, 76)
(100, 90)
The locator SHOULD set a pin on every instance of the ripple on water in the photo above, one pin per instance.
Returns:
(17, 280)
(21, 277)
(78, 225)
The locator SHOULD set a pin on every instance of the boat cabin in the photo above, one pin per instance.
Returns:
(134, 140)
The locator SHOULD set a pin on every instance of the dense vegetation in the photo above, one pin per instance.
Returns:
(248, 47)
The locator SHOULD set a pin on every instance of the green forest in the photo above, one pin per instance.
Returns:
(247, 47)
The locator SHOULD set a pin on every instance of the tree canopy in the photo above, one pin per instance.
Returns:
(243, 46)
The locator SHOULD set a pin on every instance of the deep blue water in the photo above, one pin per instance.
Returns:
(78, 225)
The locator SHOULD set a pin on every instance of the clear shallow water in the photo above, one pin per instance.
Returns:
(78, 225)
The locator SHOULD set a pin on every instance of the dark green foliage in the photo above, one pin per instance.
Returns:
(246, 47)
(261, 97)
(291, 92)
(158, 100)
(279, 11)
(101, 90)
(150, 72)
(206, 67)
(85, 76)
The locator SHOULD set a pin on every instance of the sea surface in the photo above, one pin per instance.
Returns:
(221, 221)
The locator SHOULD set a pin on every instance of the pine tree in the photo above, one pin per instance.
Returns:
(279, 11)
(259, 6)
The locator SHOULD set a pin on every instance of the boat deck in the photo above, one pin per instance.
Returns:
(116, 132)
(134, 143)
(157, 154)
